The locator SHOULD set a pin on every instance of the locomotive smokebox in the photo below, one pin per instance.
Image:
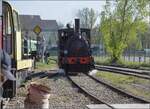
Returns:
(77, 25)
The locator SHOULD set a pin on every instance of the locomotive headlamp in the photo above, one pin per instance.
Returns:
(62, 34)
(80, 37)
(65, 52)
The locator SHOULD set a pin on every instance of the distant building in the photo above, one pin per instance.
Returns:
(48, 34)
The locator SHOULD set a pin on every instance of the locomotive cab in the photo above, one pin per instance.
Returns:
(74, 49)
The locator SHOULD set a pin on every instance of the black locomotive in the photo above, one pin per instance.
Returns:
(74, 49)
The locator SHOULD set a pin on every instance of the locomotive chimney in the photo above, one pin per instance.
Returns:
(77, 25)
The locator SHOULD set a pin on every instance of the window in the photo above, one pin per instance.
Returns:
(16, 21)
(7, 29)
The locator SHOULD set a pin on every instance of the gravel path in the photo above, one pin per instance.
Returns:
(102, 92)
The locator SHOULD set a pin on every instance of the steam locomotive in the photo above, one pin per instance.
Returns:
(74, 54)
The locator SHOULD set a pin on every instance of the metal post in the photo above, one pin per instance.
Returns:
(145, 55)
(134, 56)
(30, 44)
(37, 45)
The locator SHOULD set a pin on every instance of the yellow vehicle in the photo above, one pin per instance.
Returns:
(11, 41)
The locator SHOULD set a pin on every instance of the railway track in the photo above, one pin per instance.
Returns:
(103, 92)
(125, 71)
(42, 74)
(119, 90)
(93, 97)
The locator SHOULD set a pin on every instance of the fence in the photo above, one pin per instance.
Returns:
(133, 56)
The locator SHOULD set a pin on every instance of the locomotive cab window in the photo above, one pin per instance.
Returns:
(7, 29)
(16, 21)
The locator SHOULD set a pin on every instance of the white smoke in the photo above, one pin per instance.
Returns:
(93, 72)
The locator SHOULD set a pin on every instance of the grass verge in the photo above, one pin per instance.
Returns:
(52, 64)
(135, 85)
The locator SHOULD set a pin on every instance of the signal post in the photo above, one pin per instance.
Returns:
(37, 30)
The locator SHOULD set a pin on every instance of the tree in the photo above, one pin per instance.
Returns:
(145, 39)
(96, 35)
(87, 17)
(121, 24)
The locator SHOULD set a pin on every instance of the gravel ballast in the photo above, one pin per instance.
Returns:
(103, 92)
(62, 95)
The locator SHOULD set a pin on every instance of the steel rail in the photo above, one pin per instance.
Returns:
(41, 74)
(89, 94)
(140, 71)
(119, 90)
(122, 71)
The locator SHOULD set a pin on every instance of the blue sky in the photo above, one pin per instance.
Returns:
(62, 11)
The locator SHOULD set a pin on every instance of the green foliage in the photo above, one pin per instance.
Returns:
(102, 60)
(145, 39)
(120, 25)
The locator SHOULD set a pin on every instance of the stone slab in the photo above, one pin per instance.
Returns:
(119, 106)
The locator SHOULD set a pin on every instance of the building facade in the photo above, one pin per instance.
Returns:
(48, 34)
